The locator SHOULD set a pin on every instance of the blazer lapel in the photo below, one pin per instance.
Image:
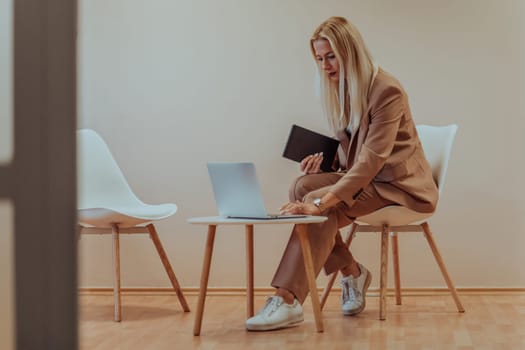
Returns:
(356, 141)
(342, 136)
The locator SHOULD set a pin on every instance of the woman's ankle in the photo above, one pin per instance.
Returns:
(351, 270)
(287, 296)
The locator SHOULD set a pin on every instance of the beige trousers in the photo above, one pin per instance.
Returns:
(327, 245)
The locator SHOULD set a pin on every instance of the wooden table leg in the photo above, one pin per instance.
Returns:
(204, 279)
(310, 273)
(249, 271)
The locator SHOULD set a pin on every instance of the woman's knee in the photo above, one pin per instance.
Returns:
(302, 186)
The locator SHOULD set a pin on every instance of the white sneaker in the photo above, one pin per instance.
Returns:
(354, 292)
(275, 314)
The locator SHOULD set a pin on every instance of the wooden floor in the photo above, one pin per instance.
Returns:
(157, 322)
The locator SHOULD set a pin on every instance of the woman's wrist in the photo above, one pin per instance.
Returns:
(326, 202)
(321, 206)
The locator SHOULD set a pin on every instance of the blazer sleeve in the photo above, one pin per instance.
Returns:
(336, 165)
(377, 146)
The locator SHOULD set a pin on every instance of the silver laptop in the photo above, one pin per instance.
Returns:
(237, 192)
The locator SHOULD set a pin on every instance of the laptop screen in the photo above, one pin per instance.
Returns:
(236, 189)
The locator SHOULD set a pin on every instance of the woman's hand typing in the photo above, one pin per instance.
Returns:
(298, 207)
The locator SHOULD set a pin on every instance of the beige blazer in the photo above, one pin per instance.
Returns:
(385, 152)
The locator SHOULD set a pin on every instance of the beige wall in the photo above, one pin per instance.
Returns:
(173, 84)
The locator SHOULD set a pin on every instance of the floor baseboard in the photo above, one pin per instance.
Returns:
(225, 291)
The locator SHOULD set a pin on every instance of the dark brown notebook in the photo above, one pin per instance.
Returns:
(303, 142)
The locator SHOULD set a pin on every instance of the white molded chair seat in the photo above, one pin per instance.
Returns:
(437, 144)
(125, 216)
(393, 215)
(107, 205)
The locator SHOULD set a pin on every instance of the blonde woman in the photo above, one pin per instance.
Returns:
(381, 162)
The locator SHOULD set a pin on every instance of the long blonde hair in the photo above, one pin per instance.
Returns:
(345, 104)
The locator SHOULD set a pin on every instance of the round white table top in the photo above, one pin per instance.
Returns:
(219, 220)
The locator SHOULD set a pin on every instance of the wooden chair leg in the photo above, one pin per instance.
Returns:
(328, 288)
(116, 272)
(441, 264)
(79, 232)
(167, 266)
(310, 273)
(333, 276)
(384, 270)
(249, 271)
(204, 279)
(397, 275)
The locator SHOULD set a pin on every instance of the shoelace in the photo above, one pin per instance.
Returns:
(350, 292)
(272, 304)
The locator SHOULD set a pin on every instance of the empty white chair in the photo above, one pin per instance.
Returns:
(107, 205)
(437, 145)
